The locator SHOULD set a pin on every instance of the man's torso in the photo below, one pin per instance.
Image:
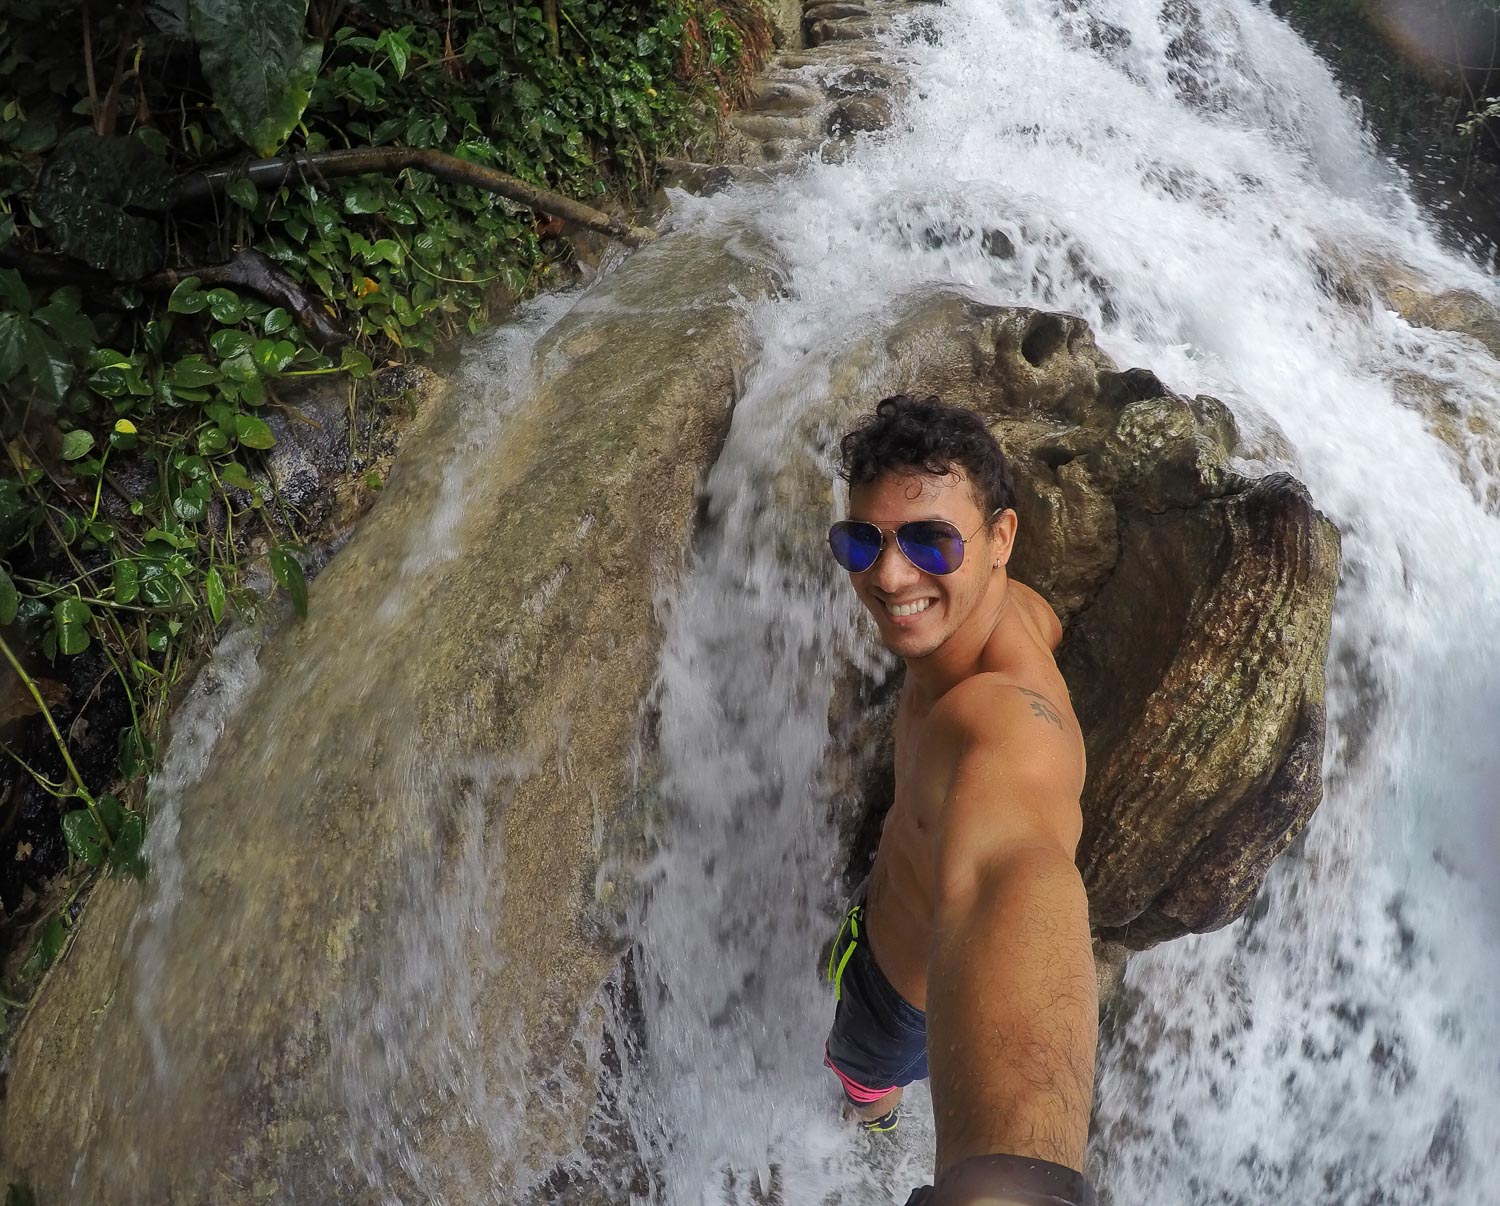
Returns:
(900, 896)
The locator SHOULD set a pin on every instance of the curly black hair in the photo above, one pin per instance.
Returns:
(907, 434)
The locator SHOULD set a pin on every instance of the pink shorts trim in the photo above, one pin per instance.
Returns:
(856, 1092)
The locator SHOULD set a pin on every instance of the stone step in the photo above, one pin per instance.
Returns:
(844, 29)
(762, 126)
(772, 95)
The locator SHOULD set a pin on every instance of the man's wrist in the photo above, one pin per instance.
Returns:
(1002, 1180)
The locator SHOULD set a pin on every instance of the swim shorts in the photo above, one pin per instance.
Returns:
(879, 1039)
(1007, 1181)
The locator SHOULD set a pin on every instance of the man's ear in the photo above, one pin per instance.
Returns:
(1003, 538)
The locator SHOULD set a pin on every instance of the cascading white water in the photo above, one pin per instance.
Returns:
(1186, 177)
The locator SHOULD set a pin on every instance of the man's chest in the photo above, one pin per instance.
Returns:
(919, 778)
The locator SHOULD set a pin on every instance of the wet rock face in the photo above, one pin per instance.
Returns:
(1197, 675)
(1196, 606)
(455, 714)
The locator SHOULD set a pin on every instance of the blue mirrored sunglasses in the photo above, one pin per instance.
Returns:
(934, 546)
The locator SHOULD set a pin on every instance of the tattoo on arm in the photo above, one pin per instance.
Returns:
(1040, 708)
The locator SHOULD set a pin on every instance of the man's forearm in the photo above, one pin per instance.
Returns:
(1012, 1014)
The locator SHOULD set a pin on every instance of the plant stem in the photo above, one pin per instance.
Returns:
(41, 703)
(173, 609)
(11, 1003)
(83, 792)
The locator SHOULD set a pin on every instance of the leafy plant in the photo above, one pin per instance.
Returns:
(143, 380)
(263, 88)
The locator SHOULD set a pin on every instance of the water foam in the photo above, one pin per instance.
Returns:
(1188, 178)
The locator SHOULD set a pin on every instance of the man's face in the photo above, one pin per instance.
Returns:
(916, 612)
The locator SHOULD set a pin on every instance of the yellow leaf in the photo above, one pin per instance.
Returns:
(124, 426)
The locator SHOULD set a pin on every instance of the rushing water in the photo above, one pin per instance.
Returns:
(1187, 177)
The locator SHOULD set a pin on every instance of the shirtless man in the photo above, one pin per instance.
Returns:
(971, 947)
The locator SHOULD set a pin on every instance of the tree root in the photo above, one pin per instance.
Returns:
(271, 173)
(251, 270)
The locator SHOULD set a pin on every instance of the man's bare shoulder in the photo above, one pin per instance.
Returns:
(990, 703)
(1017, 765)
(1025, 732)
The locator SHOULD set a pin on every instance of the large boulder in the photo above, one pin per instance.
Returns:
(327, 948)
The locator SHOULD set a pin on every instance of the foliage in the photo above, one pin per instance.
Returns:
(140, 401)
(259, 63)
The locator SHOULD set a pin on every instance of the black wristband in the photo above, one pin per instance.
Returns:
(1006, 1181)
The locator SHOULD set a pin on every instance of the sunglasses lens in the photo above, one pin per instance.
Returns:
(931, 545)
(855, 545)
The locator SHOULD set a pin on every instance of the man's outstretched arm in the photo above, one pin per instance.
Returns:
(1012, 1002)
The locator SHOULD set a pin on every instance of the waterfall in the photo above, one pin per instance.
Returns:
(381, 857)
(1187, 177)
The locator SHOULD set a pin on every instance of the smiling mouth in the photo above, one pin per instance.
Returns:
(916, 607)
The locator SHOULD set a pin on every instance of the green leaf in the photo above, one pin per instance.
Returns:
(86, 841)
(212, 441)
(272, 357)
(385, 249)
(236, 475)
(15, 332)
(66, 322)
(356, 363)
(192, 371)
(253, 432)
(320, 277)
(396, 48)
(36, 134)
(260, 85)
(187, 298)
(135, 754)
(77, 444)
(10, 598)
(225, 306)
(240, 368)
(158, 586)
(287, 571)
(49, 364)
(242, 192)
(213, 591)
(124, 435)
(189, 509)
(44, 952)
(127, 582)
(72, 617)
(125, 854)
(111, 812)
(276, 321)
(13, 291)
(231, 343)
(361, 199)
(89, 197)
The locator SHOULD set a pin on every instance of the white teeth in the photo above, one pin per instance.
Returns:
(909, 609)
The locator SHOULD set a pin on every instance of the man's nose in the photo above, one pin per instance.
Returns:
(892, 570)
